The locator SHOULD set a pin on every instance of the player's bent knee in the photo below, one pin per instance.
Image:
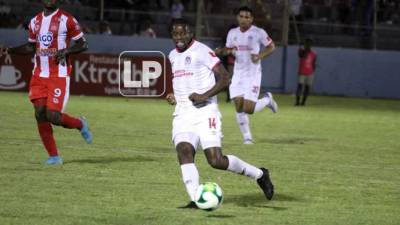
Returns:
(213, 163)
(248, 110)
(217, 163)
(53, 117)
(40, 114)
(185, 153)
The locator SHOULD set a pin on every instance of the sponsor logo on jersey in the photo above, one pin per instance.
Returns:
(244, 48)
(181, 73)
(46, 39)
(46, 51)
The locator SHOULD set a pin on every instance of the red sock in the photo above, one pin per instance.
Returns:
(46, 134)
(70, 122)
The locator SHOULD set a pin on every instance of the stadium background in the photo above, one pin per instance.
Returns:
(335, 161)
(358, 57)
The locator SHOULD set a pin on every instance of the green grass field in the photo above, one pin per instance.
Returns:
(335, 161)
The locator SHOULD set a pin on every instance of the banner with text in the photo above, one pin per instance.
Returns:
(92, 74)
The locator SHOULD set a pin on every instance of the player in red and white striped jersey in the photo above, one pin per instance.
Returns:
(50, 34)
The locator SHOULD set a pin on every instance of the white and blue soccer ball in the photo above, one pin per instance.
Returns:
(209, 196)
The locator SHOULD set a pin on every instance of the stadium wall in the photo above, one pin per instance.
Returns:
(345, 72)
(341, 72)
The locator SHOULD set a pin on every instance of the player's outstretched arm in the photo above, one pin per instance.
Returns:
(80, 45)
(24, 49)
(224, 51)
(222, 83)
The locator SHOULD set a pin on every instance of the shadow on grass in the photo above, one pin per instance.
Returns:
(106, 160)
(296, 140)
(258, 200)
(221, 216)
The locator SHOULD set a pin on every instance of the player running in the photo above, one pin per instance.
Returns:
(50, 33)
(244, 43)
(197, 119)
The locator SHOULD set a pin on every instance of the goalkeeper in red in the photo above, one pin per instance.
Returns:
(50, 33)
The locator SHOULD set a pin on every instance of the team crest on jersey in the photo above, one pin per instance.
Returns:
(188, 60)
(46, 39)
(250, 37)
(234, 38)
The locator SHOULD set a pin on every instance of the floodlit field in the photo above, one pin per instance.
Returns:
(335, 161)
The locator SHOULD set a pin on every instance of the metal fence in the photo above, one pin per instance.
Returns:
(272, 15)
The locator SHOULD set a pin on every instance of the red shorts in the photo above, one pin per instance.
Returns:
(54, 89)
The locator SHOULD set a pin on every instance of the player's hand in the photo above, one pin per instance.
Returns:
(218, 51)
(171, 99)
(255, 58)
(61, 55)
(197, 98)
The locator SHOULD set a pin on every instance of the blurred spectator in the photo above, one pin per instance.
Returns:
(177, 9)
(4, 9)
(388, 11)
(295, 10)
(104, 28)
(147, 31)
(7, 19)
(344, 14)
(364, 14)
(307, 63)
(295, 7)
(86, 29)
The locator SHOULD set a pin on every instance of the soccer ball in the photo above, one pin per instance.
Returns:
(208, 196)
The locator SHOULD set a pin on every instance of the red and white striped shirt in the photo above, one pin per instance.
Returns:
(52, 33)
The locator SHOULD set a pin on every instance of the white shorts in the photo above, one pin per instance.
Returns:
(204, 128)
(246, 86)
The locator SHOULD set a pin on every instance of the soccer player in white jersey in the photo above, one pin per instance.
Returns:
(197, 119)
(50, 33)
(244, 43)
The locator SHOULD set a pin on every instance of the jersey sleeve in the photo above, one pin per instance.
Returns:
(229, 40)
(264, 38)
(74, 29)
(31, 31)
(170, 57)
(209, 59)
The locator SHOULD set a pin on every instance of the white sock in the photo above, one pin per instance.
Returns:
(261, 103)
(190, 177)
(239, 166)
(242, 120)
